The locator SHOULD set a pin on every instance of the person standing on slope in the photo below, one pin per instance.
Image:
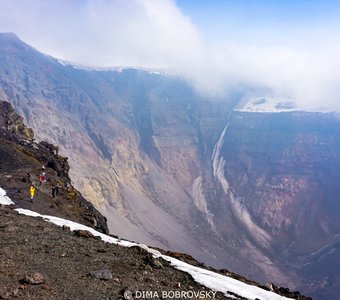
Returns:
(32, 192)
(40, 179)
(54, 190)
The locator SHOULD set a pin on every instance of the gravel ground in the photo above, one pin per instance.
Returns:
(71, 265)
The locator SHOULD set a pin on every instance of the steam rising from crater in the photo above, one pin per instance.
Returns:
(157, 34)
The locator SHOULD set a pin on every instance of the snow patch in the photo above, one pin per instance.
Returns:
(268, 104)
(239, 210)
(219, 162)
(74, 226)
(4, 200)
(221, 283)
(119, 69)
(242, 213)
(200, 201)
(63, 63)
(327, 250)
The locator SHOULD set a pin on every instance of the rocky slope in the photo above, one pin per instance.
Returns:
(76, 266)
(136, 142)
(279, 174)
(39, 260)
(154, 158)
(20, 155)
(42, 261)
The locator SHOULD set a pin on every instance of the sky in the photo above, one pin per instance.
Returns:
(290, 48)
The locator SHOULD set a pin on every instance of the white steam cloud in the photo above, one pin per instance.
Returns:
(156, 34)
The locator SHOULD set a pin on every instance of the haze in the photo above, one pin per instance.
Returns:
(290, 49)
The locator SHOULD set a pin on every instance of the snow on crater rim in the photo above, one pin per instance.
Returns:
(157, 71)
(268, 104)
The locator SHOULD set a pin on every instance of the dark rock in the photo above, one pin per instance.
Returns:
(100, 220)
(52, 148)
(153, 262)
(101, 250)
(13, 122)
(83, 233)
(55, 165)
(104, 274)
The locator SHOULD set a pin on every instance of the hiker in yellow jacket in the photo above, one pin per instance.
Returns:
(32, 192)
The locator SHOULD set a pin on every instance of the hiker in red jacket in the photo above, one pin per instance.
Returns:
(40, 179)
